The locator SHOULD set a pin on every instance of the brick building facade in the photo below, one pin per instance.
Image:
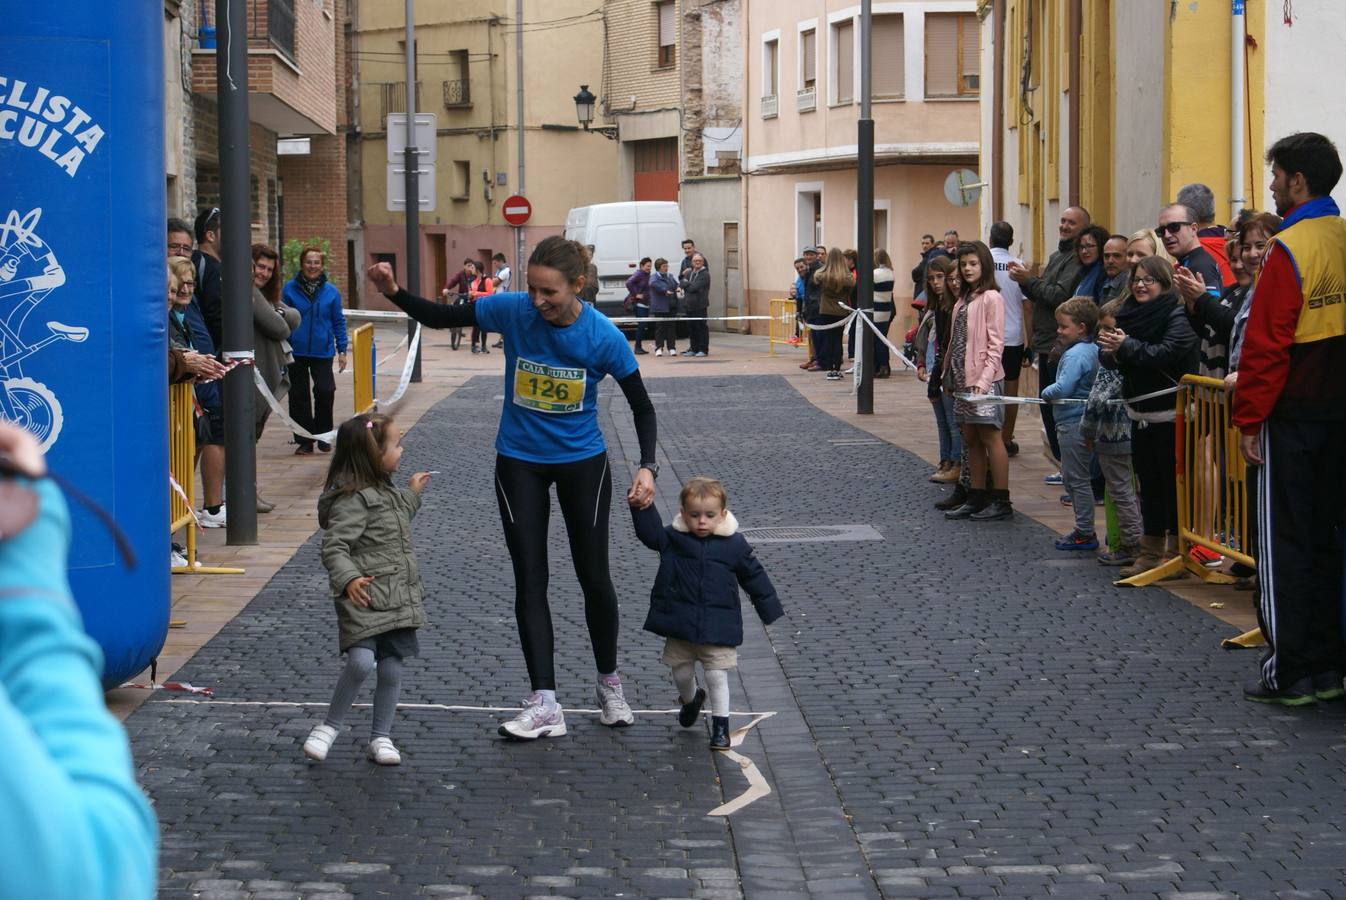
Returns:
(296, 89)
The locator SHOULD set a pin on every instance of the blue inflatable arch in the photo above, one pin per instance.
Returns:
(82, 292)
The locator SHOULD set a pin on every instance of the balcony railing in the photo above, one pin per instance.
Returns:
(271, 23)
(770, 106)
(807, 99)
(457, 93)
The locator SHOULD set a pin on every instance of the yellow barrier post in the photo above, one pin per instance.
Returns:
(1212, 484)
(362, 356)
(182, 468)
(782, 328)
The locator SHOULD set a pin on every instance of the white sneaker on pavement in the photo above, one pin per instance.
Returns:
(208, 519)
(535, 721)
(614, 712)
(382, 752)
(177, 560)
(319, 742)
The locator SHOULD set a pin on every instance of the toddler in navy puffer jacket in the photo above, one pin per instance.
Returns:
(703, 561)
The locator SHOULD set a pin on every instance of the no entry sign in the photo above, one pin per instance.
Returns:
(517, 210)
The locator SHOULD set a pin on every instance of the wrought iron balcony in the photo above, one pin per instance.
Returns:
(457, 93)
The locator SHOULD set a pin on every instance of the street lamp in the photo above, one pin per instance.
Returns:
(584, 111)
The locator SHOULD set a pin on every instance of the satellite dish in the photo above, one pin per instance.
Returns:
(962, 188)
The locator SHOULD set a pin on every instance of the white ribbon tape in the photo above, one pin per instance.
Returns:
(652, 319)
(330, 436)
(173, 483)
(1061, 401)
(238, 355)
(848, 323)
(406, 370)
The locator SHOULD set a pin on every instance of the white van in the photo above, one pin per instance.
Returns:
(622, 234)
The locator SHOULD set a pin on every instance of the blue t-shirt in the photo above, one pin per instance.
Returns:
(550, 414)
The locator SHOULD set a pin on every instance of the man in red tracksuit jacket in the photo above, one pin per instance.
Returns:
(1290, 405)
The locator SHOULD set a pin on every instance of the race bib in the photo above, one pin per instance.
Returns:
(548, 389)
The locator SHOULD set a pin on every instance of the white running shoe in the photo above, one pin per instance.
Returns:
(319, 742)
(614, 712)
(208, 519)
(535, 721)
(177, 560)
(382, 752)
(659, 352)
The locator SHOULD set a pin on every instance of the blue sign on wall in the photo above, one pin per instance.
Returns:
(83, 293)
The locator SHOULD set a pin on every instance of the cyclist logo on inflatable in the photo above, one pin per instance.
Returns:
(28, 273)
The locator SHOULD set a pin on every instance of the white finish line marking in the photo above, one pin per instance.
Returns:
(757, 784)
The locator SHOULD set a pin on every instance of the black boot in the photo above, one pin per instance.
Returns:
(691, 710)
(719, 732)
(954, 500)
(976, 502)
(999, 508)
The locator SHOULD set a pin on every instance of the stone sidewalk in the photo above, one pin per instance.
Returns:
(959, 711)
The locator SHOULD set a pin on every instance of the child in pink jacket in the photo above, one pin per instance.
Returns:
(972, 366)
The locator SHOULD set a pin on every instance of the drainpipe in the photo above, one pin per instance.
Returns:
(518, 101)
(1238, 78)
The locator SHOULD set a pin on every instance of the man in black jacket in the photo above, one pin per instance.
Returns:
(1049, 290)
(695, 284)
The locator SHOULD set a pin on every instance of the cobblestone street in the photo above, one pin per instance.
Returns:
(959, 711)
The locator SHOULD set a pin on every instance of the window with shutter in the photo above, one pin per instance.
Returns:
(970, 83)
(809, 51)
(952, 55)
(770, 68)
(844, 68)
(889, 55)
(941, 55)
(668, 32)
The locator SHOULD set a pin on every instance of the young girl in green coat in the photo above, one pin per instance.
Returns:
(375, 582)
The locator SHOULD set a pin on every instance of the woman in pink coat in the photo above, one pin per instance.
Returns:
(972, 366)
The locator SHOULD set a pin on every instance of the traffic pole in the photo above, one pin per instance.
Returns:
(412, 162)
(240, 434)
(864, 194)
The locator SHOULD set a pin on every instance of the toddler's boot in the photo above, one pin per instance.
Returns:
(691, 710)
(719, 732)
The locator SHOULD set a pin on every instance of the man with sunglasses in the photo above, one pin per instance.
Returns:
(1196, 272)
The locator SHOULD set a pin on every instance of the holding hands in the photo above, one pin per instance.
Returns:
(641, 494)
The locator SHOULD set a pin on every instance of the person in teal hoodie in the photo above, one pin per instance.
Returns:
(1076, 320)
(75, 824)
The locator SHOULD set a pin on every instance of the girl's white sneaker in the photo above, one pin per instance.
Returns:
(319, 742)
(382, 751)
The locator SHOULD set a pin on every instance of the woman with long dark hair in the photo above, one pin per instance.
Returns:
(557, 349)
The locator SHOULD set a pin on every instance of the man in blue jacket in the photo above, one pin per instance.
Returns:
(322, 328)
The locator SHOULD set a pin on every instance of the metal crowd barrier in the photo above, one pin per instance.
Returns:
(1213, 509)
(182, 468)
(782, 328)
(363, 365)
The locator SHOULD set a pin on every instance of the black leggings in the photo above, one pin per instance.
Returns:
(584, 489)
(1154, 457)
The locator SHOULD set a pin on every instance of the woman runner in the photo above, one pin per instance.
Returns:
(557, 349)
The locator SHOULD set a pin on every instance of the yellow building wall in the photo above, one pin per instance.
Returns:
(1197, 102)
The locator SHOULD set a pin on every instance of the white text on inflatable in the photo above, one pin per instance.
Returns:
(50, 123)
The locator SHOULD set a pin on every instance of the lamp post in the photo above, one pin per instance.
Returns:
(584, 112)
(864, 195)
